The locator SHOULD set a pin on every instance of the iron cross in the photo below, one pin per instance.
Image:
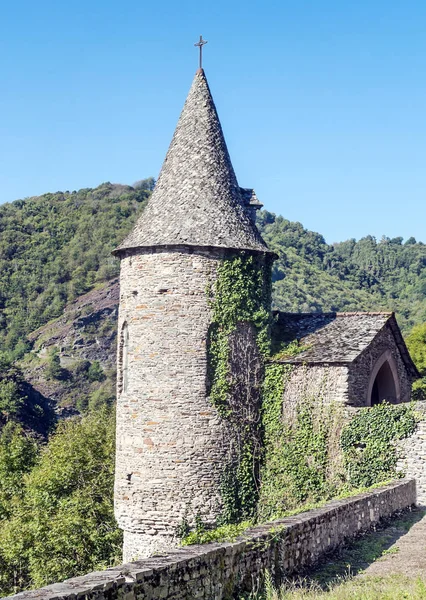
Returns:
(200, 44)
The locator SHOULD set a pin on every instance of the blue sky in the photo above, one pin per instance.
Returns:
(323, 103)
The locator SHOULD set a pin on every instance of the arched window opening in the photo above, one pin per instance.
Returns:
(384, 387)
(123, 359)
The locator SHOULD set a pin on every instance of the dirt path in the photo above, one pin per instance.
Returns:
(406, 556)
(397, 549)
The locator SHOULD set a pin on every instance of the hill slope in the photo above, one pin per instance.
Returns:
(57, 288)
(55, 247)
(311, 275)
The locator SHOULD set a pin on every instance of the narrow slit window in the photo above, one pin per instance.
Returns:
(124, 358)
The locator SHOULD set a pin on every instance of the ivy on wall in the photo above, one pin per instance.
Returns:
(369, 441)
(240, 300)
(278, 464)
(241, 293)
(299, 452)
(274, 466)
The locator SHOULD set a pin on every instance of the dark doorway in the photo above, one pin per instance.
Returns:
(384, 387)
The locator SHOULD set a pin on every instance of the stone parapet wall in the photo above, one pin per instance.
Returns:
(222, 571)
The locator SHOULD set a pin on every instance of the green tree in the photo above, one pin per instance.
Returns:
(95, 372)
(64, 524)
(18, 453)
(416, 343)
(54, 369)
(20, 402)
(145, 184)
(102, 397)
(11, 401)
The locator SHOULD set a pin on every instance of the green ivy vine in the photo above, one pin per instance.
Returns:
(297, 452)
(369, 441)
(240, 294)
(275, 464)
(276, 376)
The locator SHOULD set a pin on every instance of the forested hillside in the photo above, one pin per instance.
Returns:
(311, 275)
(58, 295)
(56, 247)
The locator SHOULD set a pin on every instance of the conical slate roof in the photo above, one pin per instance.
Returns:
(197, 200)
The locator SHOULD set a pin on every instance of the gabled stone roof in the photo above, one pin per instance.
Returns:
(197, 200)
(336, 337)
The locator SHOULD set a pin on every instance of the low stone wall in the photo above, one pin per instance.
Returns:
(222, 571)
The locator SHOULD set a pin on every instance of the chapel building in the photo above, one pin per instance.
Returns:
(172, 442)
(359, 359)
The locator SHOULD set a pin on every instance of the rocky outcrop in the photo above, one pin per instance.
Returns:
(86, 332)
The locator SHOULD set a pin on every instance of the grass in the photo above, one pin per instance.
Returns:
(289, 350)
(224, 533)
(393, 587)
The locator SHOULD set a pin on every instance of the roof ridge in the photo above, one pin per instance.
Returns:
(337, 314)
(331, 337)
(365, 313)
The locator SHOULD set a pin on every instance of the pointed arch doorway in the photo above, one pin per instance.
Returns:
(384, 381)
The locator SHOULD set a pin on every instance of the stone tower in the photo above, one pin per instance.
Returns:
(171, 441)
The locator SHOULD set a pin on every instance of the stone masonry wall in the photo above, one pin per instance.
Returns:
(361, 369)
(412, 453)
(170, 441)
(221, 571)
(328, 382)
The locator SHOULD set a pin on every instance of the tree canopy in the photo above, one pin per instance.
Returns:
(56, 247)
(56, 518)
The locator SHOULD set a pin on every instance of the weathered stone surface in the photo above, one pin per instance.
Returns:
(320, 383)
(363, 370)
(171, 443)
(222, 571)
(412, 452)
(343, 354)
(337, 337)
